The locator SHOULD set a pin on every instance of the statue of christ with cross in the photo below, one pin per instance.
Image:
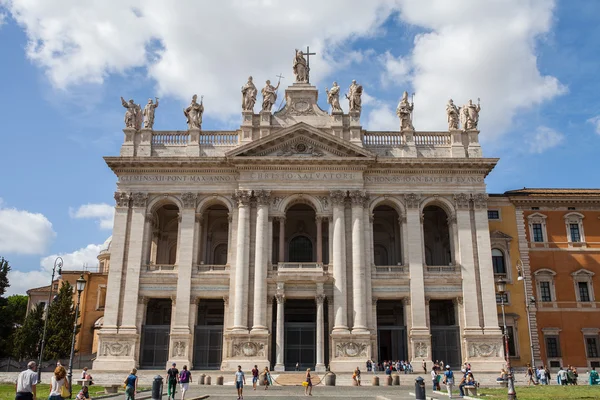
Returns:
(302, 65)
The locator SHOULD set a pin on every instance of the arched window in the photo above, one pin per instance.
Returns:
(301, 249)
(498, 262)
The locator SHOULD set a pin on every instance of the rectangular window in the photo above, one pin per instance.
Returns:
(499, 298)
(584, 291)
(571, 208)
(592, 347)
(538, 235)
(575, 236)
(493, 214)
(545, 293)
(101, 297)
(552, 347)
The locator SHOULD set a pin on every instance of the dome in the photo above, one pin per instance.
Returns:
(106, 245)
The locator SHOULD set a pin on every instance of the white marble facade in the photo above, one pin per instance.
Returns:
(300, 172)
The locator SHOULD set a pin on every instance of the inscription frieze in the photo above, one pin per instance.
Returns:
(420, 179)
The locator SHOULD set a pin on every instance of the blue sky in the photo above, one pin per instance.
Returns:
(65, 63)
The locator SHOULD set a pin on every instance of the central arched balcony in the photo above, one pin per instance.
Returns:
(213, 239)
(387, 240)
(437, 239)
(164, 236)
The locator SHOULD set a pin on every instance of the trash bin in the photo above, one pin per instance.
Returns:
(157, 388)
(201, 381)
(375, 381)
(207, 380)
(419, 389)
(220, 380)
(396, 380)
(330, 379)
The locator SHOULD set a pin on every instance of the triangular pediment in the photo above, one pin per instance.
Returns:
(301, 141)
(500, 235)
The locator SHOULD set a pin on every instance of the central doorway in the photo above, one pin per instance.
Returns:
(445, 332)
(300, 334)
(391, 330)
(208, 334)
(155, 334)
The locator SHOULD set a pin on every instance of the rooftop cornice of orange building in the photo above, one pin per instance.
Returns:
(40, 289)
(552, 196)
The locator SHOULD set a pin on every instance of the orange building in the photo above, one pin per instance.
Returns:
(559, 243)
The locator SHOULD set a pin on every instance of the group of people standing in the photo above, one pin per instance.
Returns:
(389, 366)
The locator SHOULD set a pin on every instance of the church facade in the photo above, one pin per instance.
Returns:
(299, 238)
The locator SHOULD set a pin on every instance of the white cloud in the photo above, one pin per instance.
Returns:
(21, 281)
(2, 18)
(102, 213)
(596, 122)
(543, 139)
(24, 232)
(395, 69)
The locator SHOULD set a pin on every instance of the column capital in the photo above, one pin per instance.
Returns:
(189, 199)
(402, 219)
(263, 197)
(461, 200)
(359, 198)
(452, 219)
(122, 199)
(242, 197)
(337, 197)
(406, 301)
(320, 298)
(281, 219)
(229, 217)
(374, 300)
(199, 217)
(458, 300)
(226, 300)
(480, 201)
(139, 199)
(412, 200)
(427, 300)
(319, 219)
(280, 297)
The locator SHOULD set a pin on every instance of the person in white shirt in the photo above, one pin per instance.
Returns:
(26, 383)
(59, 387)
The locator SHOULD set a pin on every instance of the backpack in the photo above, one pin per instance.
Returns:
(183, 376)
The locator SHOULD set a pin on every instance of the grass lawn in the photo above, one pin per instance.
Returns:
(7, 391)
(545, 392)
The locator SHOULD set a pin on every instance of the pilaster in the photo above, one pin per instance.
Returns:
(474, 148)
(247, 127)
(410, 147)
(355, 128)
(144, 149)
(128, 146)
(193, 147)
(265, 123)
(340, 302)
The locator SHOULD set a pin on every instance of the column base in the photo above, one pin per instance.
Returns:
(320, 368)
(180, 348)
(259, 330)
(279, 367)
(349, 351)
(116, 351)
(340, 330)
(246, 349)
(420, 346)
(484, 352)
(361, 331)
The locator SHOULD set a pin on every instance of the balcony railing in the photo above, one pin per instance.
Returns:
(161, 268)
(390, 269)
(564, 245)
(567, 304)
(212, 268)
(383, 139)
(433, 138)
(442, 268)
(177, 138)
(301, 268)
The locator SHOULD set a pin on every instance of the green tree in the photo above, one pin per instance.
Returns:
(17, 308)
(6, 324)
(28, 336)
(61, 317)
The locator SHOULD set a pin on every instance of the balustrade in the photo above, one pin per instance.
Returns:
(208, 268)
(440, 269)
(170, 138)
(158, 268)
(383, 139)
(386, 269)
(213, 138)
(432, 139)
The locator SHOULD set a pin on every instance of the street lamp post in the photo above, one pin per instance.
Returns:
(58, 263)
(80, 286)
(501, 290)
(528, 303)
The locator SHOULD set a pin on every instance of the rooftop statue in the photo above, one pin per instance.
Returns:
(354, 97)
(452, 111)
(269, 93)
(300, 67)
(404, 111)
(148, 113)
(470, 115)
(333, 98)
(248, 95)
(133, 117)
(193, 113)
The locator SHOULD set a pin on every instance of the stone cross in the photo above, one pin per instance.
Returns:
(308, 54)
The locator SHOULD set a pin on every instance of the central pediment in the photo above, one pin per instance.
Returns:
(301, 141)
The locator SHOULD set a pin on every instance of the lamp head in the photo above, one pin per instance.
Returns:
(501, 286)
(80, 284)
(520, 278)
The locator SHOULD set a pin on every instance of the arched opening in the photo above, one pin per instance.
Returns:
(436, 234)
(387, 245)
(165, 235)
(498, 262)
(214, 238)
(300, 234)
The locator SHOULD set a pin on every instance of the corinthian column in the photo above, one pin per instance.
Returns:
(241, 259)
(319, 221)
(358, 262)
(260, 261)
(340, 302)
(280, 297)
(281, 239)
(320, 298)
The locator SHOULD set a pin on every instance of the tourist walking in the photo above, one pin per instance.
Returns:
(26, 383)
(356, 376)
(254, 377)
(561, 377)
(59, 387)
(172, 380)
(308, 386)
(131, 385)
(434, 379)
(266, 378)
(594, 379)
(547, 374)
(449, 380)
(530, 375)
(185, 377)
(240, 380)
(424, 367)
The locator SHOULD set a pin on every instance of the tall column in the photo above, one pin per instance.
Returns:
(340, 302)
(185, 250)
(320, 298)
(281, 239)
(134, 263)
(465, 246)
(358, 262)
(368, 265)
(279, 339)
(241, 259)
(415, 260)
(330, 239)
(260, 261)
(115, 273)
(319, 221)
(229, 236)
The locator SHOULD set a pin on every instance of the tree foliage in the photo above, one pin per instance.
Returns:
(61, 317)
(28, 336)
(6, 324)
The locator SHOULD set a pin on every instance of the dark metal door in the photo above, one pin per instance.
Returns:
(300, 339)
(155, 346)
(208, 346)
(445, 343)
(392, 343)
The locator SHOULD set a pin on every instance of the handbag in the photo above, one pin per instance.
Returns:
(305, 384)
(64, 392)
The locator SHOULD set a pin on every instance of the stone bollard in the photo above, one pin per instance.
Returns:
(201, 381)
(375, 381)
(207, 380)
(396, 380)
(220, 380)
(388, 380)
(330, 379)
